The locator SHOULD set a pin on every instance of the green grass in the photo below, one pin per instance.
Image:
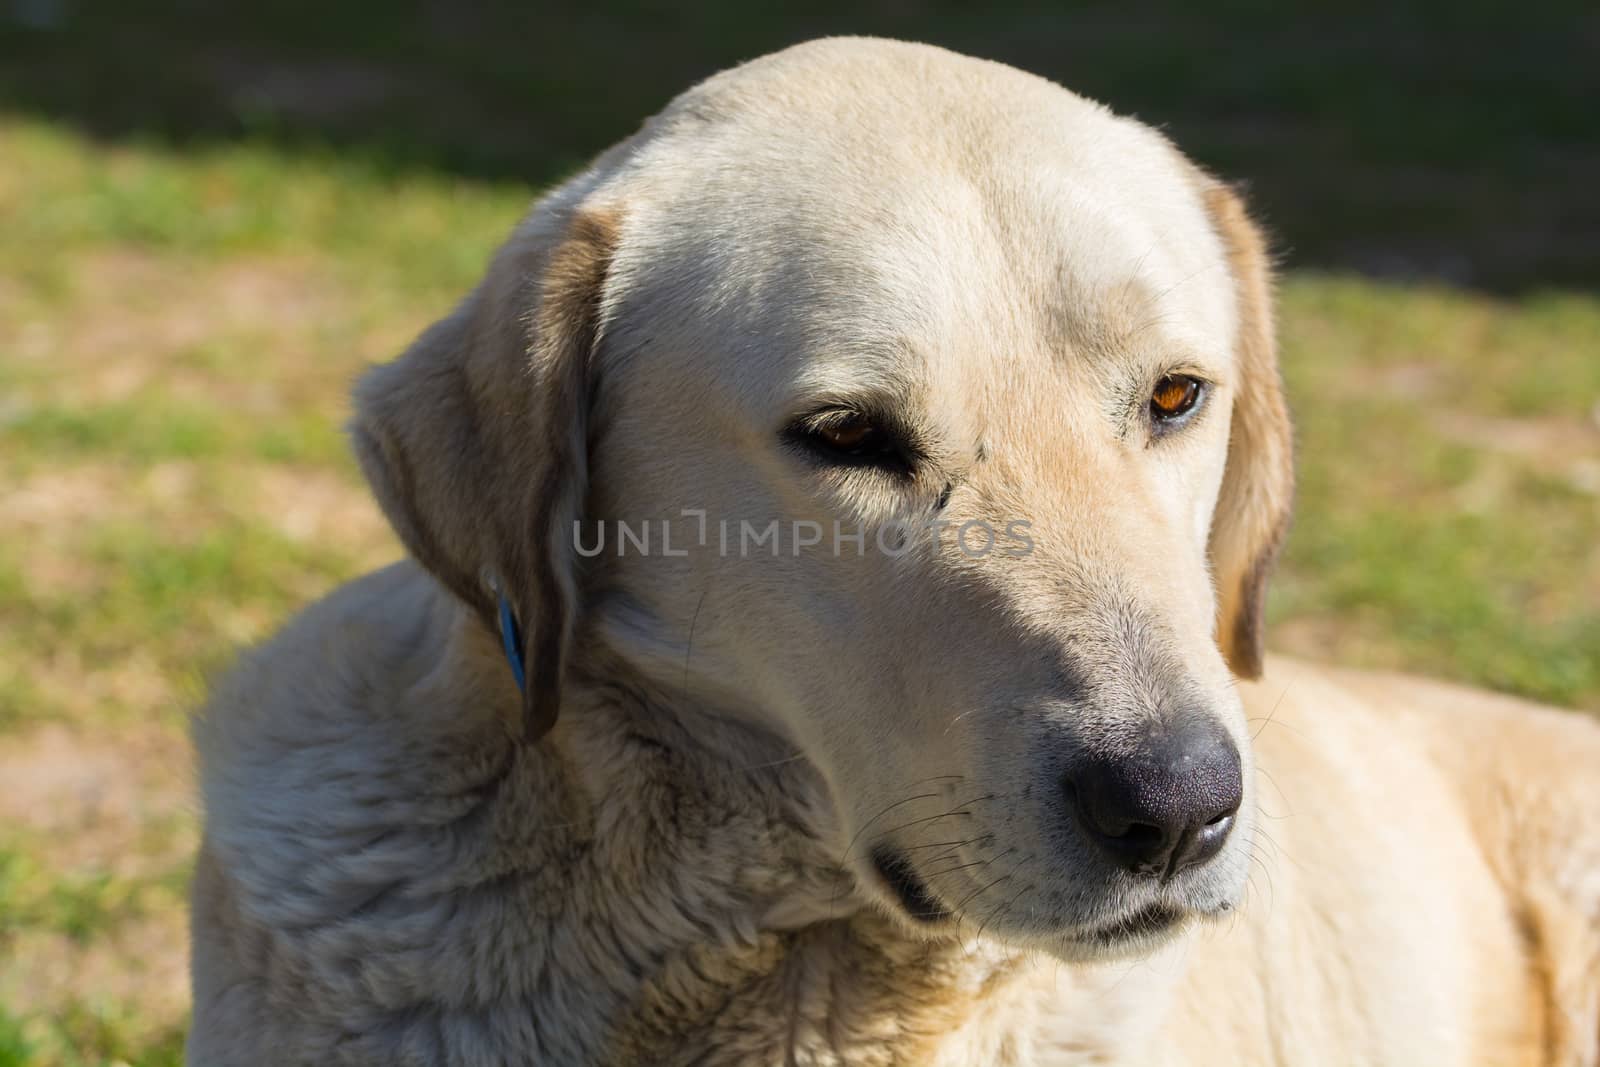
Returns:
(83, 1034)
(1449, 495)
(1448, 508)
(79, 906)
(147, 428)
(187, 287)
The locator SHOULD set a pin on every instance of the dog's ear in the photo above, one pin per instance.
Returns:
(1253, 507)
(475, 440)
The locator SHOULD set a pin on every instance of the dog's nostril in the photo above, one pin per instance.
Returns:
(1140, 834)
(1221, 818)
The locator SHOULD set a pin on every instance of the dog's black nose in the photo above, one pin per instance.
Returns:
(1167, 805)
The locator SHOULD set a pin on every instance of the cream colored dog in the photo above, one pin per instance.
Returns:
(874, 464)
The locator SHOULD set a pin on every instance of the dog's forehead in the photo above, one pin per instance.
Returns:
(869, 198)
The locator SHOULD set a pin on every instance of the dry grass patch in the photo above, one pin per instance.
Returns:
(99, 830)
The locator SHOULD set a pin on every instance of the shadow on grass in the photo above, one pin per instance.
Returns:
(1436, 139)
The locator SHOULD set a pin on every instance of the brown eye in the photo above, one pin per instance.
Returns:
(851, 433)
(846, 438)
(1174, 397)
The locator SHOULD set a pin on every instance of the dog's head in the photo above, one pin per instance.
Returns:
(919, 412)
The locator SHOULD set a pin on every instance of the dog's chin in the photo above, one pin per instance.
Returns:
(1137, 933)
(1134, 934)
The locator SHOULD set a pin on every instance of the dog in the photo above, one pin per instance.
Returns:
(838, 525)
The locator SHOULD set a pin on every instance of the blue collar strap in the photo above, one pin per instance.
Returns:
(511, 641)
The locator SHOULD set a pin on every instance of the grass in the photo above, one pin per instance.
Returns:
(188, 286)
(1449, 497)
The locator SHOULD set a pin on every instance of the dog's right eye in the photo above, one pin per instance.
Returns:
(850, 439)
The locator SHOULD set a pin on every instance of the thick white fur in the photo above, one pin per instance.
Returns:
(401, 866)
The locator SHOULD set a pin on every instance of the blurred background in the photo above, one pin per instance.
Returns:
(212, 216)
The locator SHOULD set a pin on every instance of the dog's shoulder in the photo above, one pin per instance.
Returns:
(343, 768)
(358, 661)
(349, 723)
(328, 654)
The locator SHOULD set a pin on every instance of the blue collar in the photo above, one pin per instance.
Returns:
(511, 641)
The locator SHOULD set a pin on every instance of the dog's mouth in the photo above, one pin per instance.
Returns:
(1153, 920)
(914, 896)
(918, 902)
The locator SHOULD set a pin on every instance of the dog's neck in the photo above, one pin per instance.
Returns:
(724, 931)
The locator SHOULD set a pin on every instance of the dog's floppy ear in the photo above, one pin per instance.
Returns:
(1253, 507)
(475, 440)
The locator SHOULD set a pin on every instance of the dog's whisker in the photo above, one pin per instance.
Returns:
(881, 814)
(798, 756)
(952, 855)
(949, 853)
(1004, 910)
(939, 844)
(957, 867)
(1273, 714)
(919, 822)
(979, 892)
(1261, 836)
(1266, 872)
(959, 810)
(844, 858)
(1278, 854)
(688, 648)
(1281, 796)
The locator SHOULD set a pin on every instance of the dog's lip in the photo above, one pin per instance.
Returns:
(913, 894)
(1148, 921)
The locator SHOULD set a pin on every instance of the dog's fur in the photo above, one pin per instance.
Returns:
(668, 849)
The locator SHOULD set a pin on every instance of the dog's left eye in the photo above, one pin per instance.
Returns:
(850, 439)
(1174, 398)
